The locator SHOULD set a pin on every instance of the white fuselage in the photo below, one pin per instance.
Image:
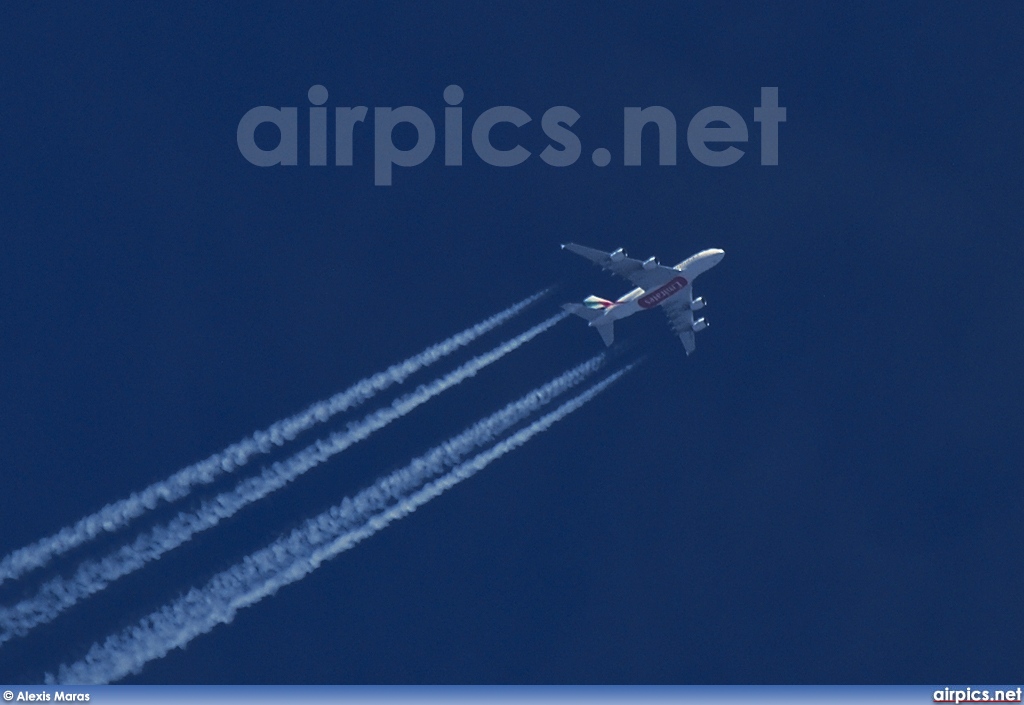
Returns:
(638, 300)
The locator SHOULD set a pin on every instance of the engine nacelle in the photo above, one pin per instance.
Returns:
(650, 263)
(697, 304)
(699, 325)
(618, 255)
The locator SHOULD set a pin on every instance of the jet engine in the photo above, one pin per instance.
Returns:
(617, 256)
(650, 263)
(697, 304)
(699, 325)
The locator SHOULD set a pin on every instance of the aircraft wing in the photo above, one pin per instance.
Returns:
(680, 318)
(646, 275)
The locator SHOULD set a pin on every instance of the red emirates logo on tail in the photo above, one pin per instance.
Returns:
(658, 296)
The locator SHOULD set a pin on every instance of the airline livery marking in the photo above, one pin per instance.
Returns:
(659, 295)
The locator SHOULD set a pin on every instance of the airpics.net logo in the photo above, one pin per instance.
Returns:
(711, 135)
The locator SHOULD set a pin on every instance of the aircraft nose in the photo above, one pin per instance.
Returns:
(715, 255)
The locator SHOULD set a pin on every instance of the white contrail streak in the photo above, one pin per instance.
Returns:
(118, 514)
(292, 557)
(59, 594)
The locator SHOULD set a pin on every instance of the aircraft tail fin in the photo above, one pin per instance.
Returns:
(597, 303)
(593, 317)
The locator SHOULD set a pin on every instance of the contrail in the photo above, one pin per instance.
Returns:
(59, 594)
(118, 514)
(291, 558)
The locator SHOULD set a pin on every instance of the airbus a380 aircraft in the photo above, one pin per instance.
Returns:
(656, 285)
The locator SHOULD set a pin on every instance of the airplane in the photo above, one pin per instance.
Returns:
(656, 285)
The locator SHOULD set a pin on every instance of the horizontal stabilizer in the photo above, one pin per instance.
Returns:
(582, 311)
(607, 332)
(602, 327)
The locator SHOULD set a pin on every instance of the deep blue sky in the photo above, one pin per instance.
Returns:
(828, 491)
